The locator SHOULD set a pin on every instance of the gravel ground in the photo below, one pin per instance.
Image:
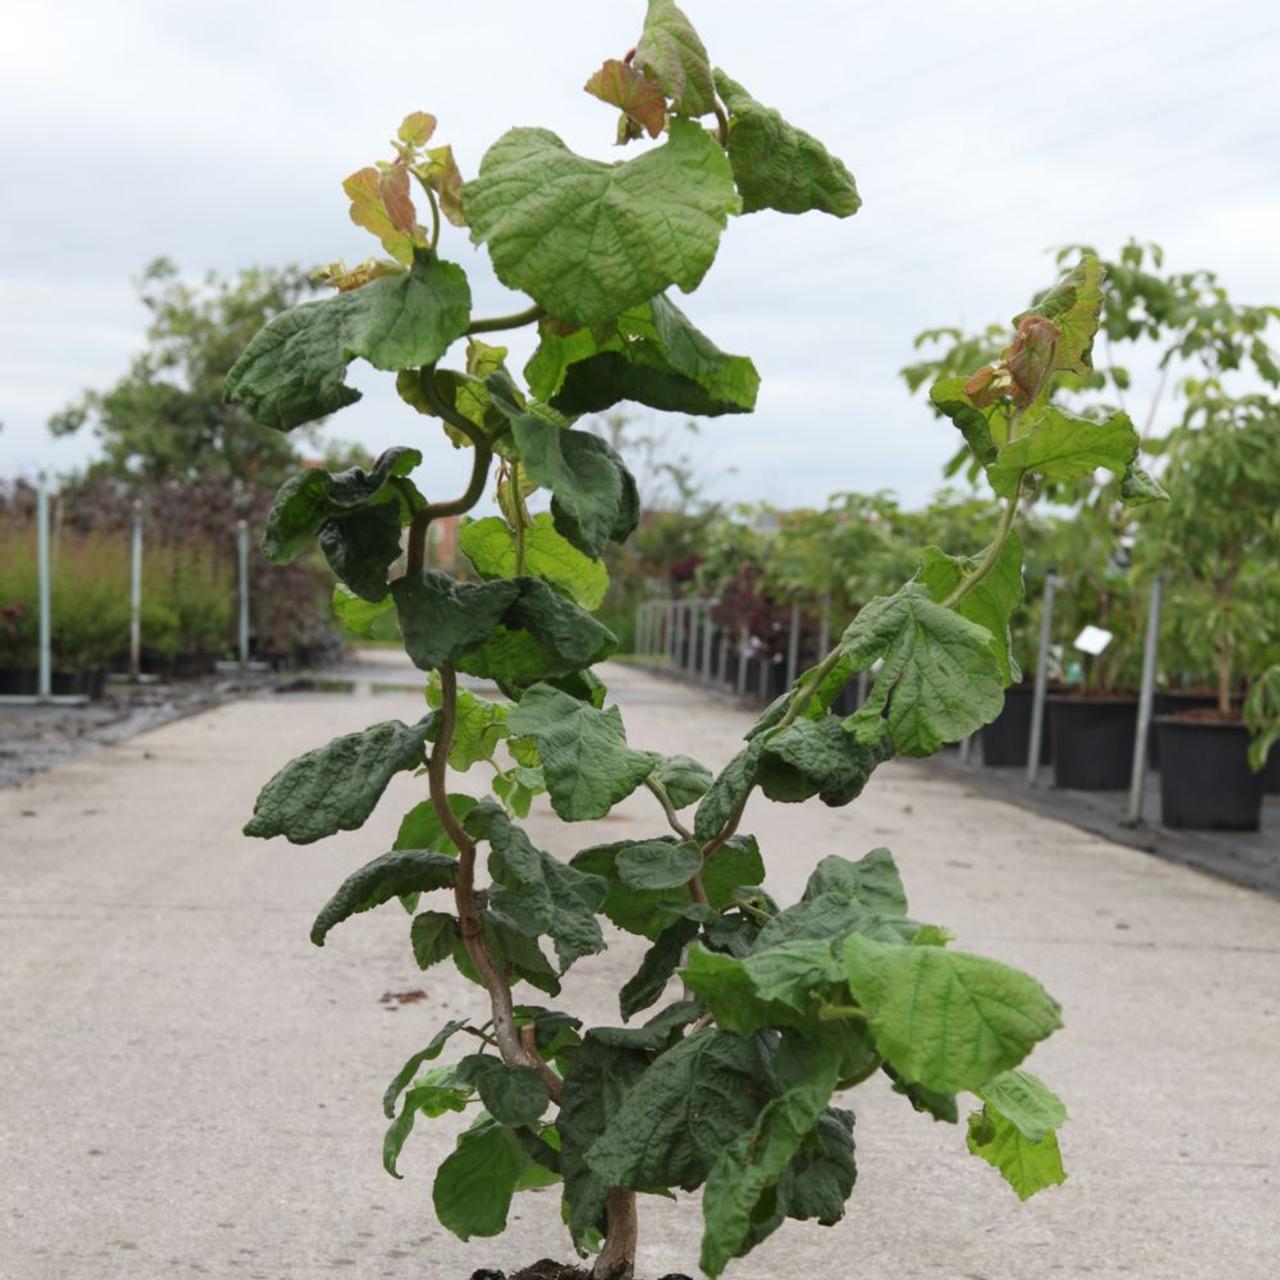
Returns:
(191, 1088)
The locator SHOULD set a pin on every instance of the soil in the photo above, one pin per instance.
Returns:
(1094, 695)
(1211, 715)
(548, 1269)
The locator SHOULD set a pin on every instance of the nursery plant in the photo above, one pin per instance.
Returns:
(736, 1084)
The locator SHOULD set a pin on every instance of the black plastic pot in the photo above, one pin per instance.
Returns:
(1006, 738)
(20, 680)
(1270, 774)
(776, 680)
(1092, 742)
(846, 702)
(729, 676)
(1172, 702)
(1205, 780)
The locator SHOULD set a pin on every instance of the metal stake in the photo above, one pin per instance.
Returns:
(1051, 583)
(1146, 696)
(744, 638)
(707, 630)
(135, 595)
(45, 686)
(793, 645)
(242, 548)
(824, 627)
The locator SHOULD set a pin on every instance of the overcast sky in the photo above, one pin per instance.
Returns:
(981, 134)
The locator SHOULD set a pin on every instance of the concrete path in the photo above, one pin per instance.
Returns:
(189, 1087)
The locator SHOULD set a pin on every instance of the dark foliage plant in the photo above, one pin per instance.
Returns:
(735, 1087)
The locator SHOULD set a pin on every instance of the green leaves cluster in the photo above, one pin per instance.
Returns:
(731, 1087)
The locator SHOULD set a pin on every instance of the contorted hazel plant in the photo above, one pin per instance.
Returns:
(732, 1087)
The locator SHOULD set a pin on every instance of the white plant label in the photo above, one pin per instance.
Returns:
(1093, 640)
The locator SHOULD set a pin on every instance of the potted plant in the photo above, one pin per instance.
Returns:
(1223, 470)
(736, 1085)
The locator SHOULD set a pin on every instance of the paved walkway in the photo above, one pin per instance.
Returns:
(188, 1087)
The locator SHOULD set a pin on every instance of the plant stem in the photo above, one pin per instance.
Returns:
(479, 471)
(514, 1052)
(668, 808)
(617, 1257)
(516, 320)
(990, 560)
(518, 505)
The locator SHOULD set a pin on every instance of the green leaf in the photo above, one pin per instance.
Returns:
(727, 793)
(474, 1185)
(490, 545)
(941, 1106)
(594, 499)
(991, 604)
(873, 881)
(984, 430)
(833, 915)
(536, 893)
(945, 1019)
(480, 725)
(585, 758)
(659, 963)
(511, 1095)
(294, 369)
(443, 619)
(940, 681)
(594, 1088)
(658, 864)
(682, 778)
(1026, 1102)
(640, 100)
(649, 911)
(430, 1098)
(411, 1068)
(821, 1176)
(309, 500)
(651, 354)
(420, 828)
(364, 619)
(818, 757)
(433, 936)
(335, 787)
(390, 876)
(1060, 446)
(362, 547)
(754, 1162)
(673, 1123)
(1027, 1166)
(1137, 488)
(1073, 304)
(464, 393)
(671, 54)
(512, 951)
(587, 239)
(778, 166)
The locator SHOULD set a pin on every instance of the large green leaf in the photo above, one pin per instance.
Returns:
(420, 828)
(294, 370)
(682, 778)
(475, 1183)
(818, 757)
(821, 1176)
(728, 793)
(490, 545)
(940, 681)
(672, 55)
(594, 499)
(364, 619)
(991, 604)
(673, 1123)
(585, 758)
(649, 911)
(834, 915)
(587, 239)
(434, 937)
(443, 619)
(873, 881)
(480, 725)
(778, 166)
(658, 864)
(1061, 446)
(945, 1019)
(651, 354)
(1026, 1102)
(335, 787)
(752, 1164)
(392, 875)
(308, 500)
(535, 892)
(362, 547)
(511, 1095)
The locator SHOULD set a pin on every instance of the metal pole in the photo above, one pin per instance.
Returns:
(242, 547)
(45, 687)
(824, 627)
(1146, 696)
(864, 679)
(671, 630)
(722, 657)
(1042, 681)
(793, 645)
(744, 636)
(966, 748)
(135, 595)
(707, 630)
